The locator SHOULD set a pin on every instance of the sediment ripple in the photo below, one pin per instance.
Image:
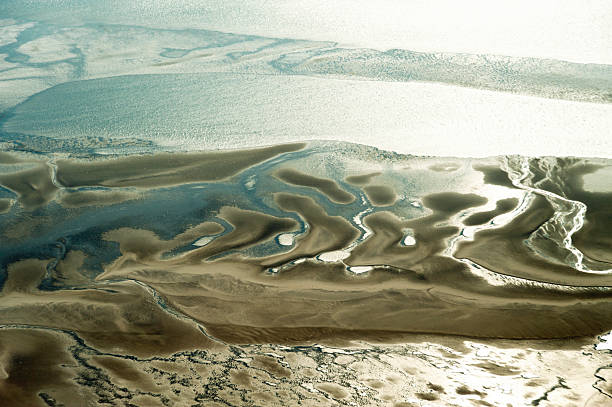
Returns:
(182, 257)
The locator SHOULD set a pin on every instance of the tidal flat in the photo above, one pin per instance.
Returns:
(306, 203)
(318, 273)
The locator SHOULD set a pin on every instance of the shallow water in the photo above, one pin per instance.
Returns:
(129, 88)
(572, 31)
(197, 208)
(303, 242)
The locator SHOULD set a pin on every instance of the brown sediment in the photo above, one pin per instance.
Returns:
(271, 365)
(450, 203)
(67, 271)
(235, 272)
(383, 246)
(144, 245)
(465, 391)
(380, 195)
(250, 228)
(25, 276)
(494, 175)
(124, 373)
(445, 167)
(242, 379)
(389, 315)
(411, 290)
(594, 238)
(502, 206)
(245, 306)
(427, 293)
(5, 205)
(427, 396)
(242, 305)
(141, 247)
(326, 186)
(564, 177)
(361, 179)
(375, 384)
(36, 364)
(165, 169)
(435, 387)
(332, 389)
(79, 199)
(497, 369)
(379, 374)
(503, 250)
(326, 233)
(8, 158)
(118, 317)
(336, 337)
(33, 186)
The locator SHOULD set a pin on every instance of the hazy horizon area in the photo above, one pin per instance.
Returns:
(214, 75)
(574, 30)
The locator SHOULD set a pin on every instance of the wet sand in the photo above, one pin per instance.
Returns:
(378, 194)
(116, 316)
(33, 187)
(95, 198)
(328, 187)
(502, 250)
(134, 289)
(594, 238)
(164, 169)
(361, 179)
(5, 205)
(502, 206)
(398, 374)
(419, 288)
(34, 363)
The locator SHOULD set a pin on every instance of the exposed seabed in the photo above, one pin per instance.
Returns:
(312, 273)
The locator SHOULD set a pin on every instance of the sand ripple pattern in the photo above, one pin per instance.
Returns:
(138, 260)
